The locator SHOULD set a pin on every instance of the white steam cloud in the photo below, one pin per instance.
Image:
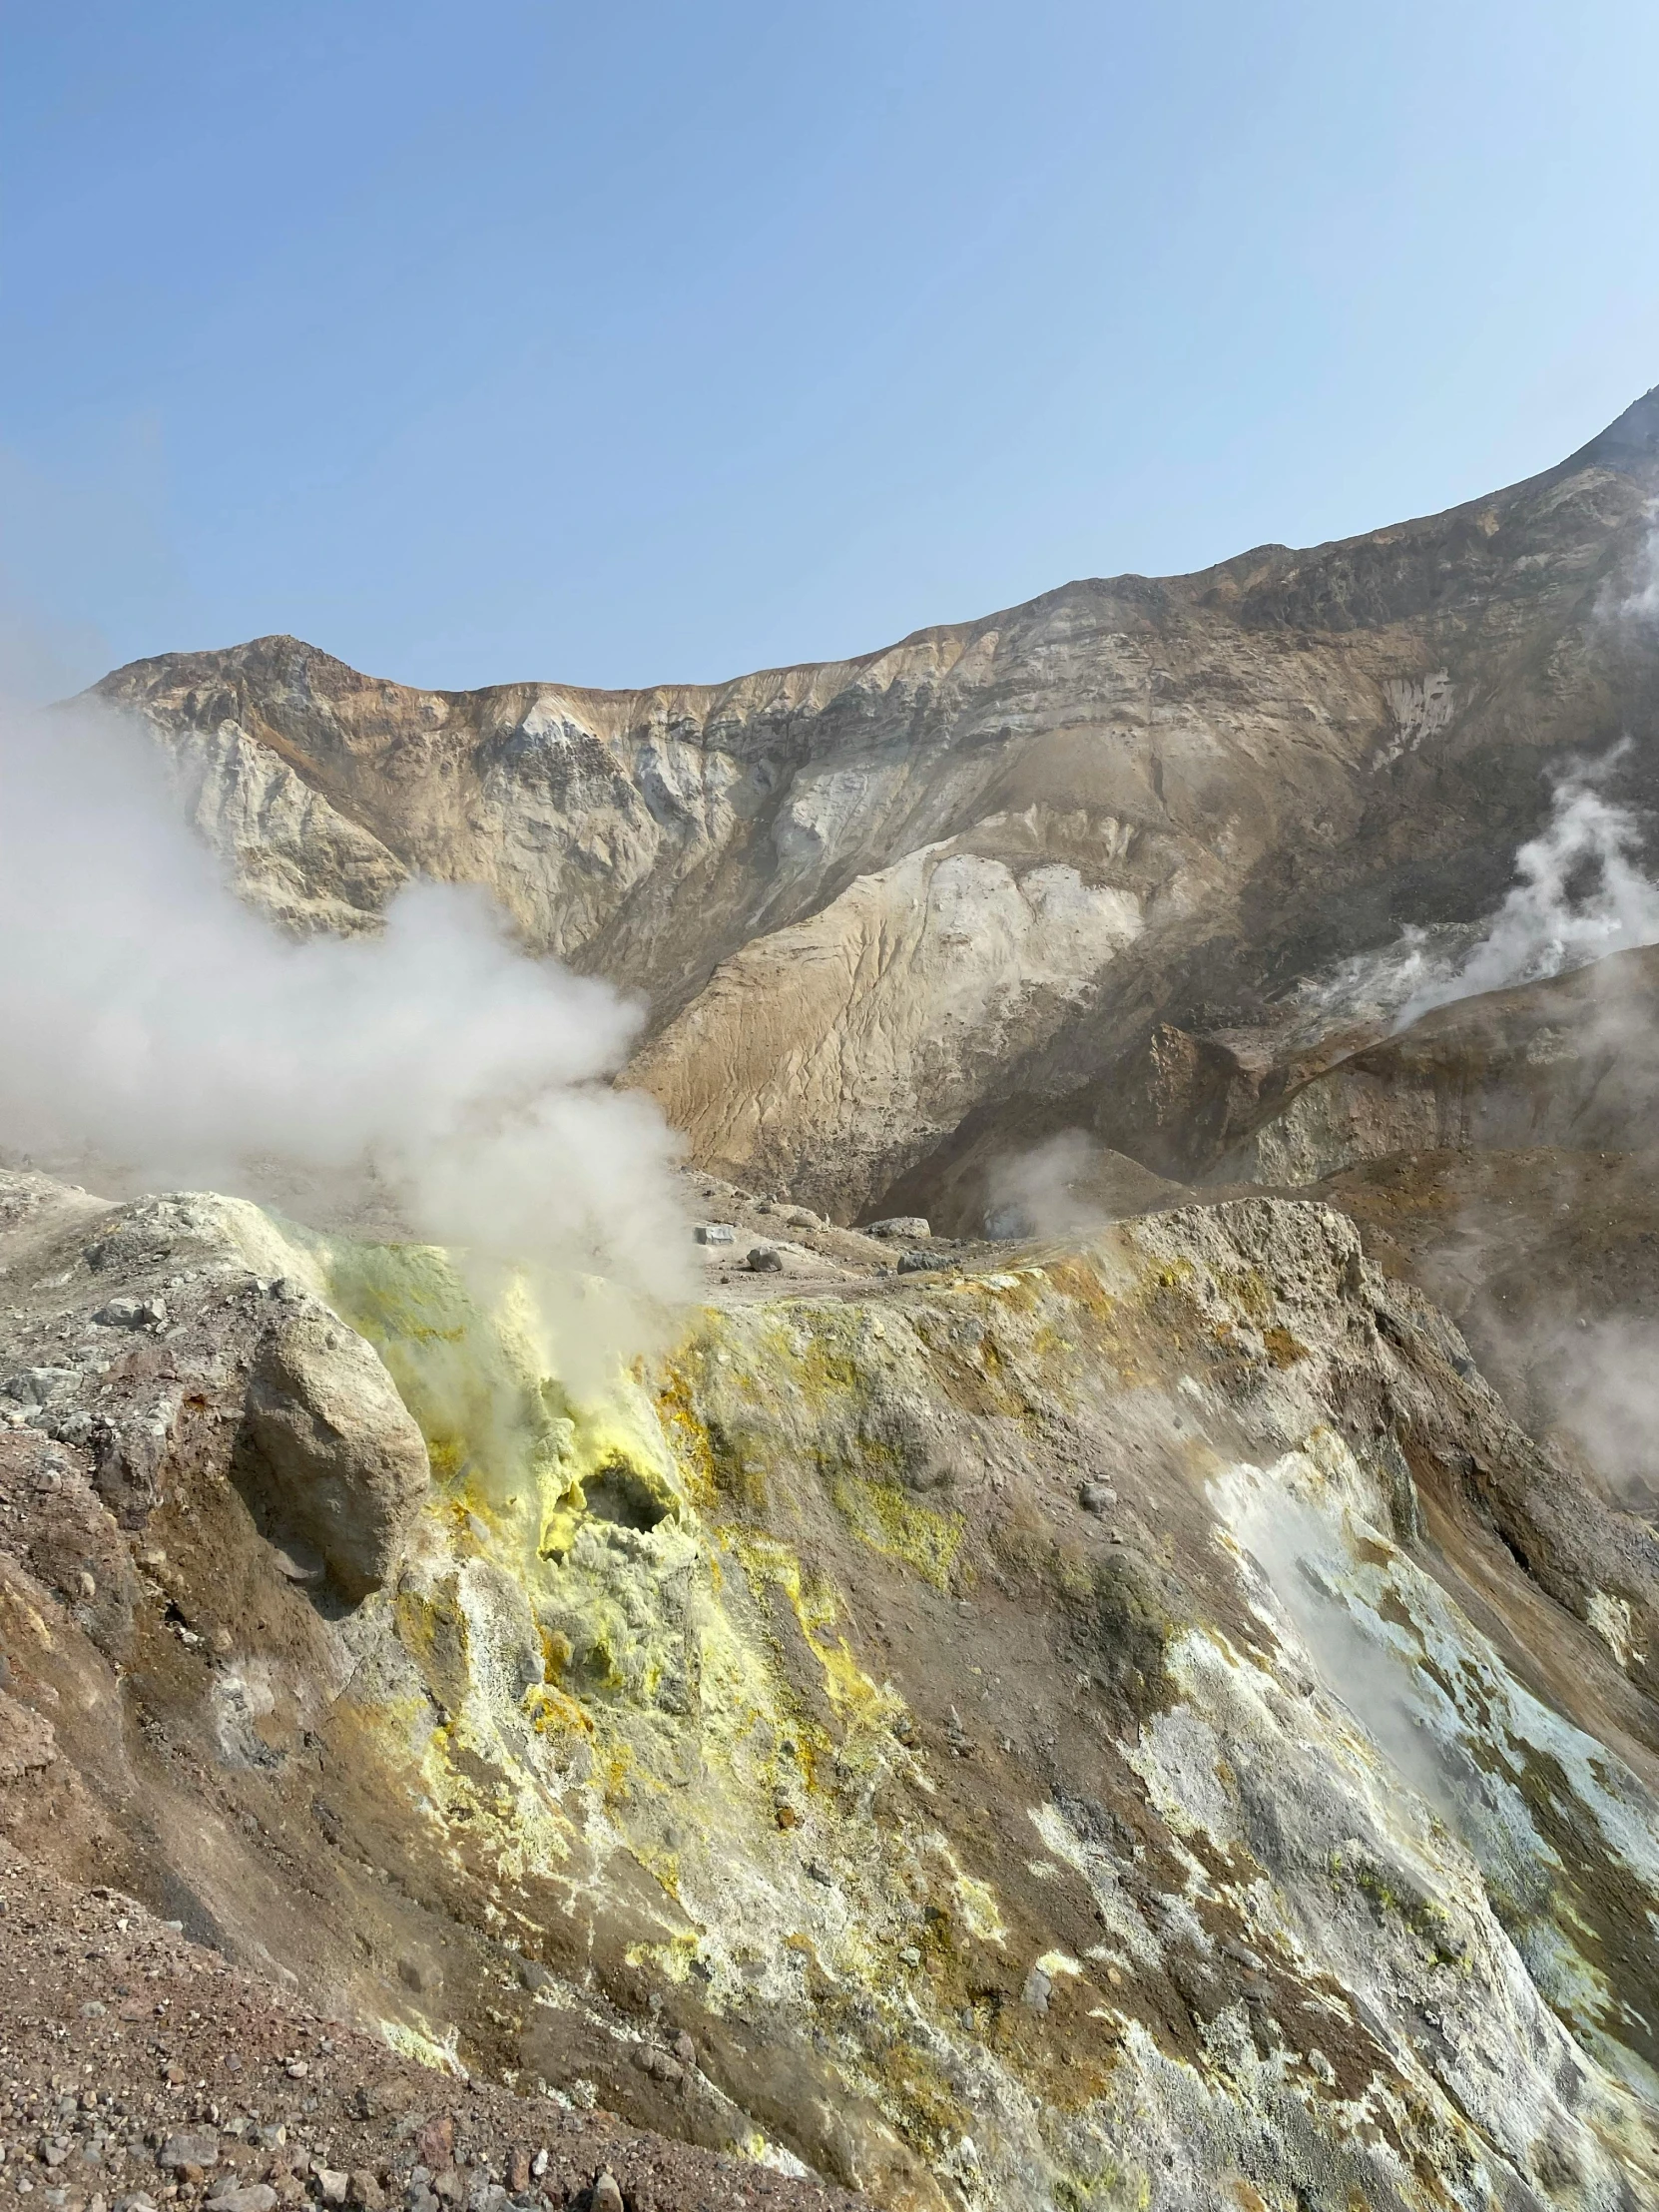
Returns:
(1068, 1185)
(1580, 893)
(150, 1018)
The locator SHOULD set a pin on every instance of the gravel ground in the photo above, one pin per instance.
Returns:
(139, 2070)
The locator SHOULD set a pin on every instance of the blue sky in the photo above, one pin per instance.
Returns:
(646, 341)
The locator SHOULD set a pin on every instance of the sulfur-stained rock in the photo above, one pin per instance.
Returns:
(775, 1749)
(329, 1450)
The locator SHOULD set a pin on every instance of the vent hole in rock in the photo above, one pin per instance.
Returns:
(617, 1495)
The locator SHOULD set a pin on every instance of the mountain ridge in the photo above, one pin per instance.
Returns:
(945, 893)
(1642, 417)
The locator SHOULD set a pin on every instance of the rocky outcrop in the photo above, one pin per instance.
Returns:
(328, 1450)
(1141, 1725)
(897, 913)
(1570, 1063)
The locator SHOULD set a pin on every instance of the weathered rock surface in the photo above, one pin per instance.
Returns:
(797, 1749)
(1572, 1062)
(1006, 876)
(328, 1448)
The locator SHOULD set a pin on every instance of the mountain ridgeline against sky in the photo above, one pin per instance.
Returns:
(894, 915)
(1138, 1689)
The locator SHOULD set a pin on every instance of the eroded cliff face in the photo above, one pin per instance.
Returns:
(892, 912)
(1141, 1726)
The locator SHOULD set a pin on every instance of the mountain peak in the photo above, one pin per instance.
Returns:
(1630, 437)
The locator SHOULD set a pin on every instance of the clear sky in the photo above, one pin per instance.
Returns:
(628, 342)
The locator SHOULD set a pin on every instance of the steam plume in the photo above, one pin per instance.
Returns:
(1581, 895)
(146, 1015)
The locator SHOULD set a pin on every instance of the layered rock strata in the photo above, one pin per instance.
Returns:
(1003, 877)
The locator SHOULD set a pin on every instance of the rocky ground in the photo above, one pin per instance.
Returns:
(778, 1246)
(138, 2070)
(1133, 1722)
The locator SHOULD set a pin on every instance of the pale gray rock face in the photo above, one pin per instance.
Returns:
(330, 1450)
(892, 910)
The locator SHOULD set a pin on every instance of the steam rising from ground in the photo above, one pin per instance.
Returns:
(1038, 1194)
(1580, 893)
(1068, 1185)
(148, 1016)
(1641, 603)
(1607, 1395)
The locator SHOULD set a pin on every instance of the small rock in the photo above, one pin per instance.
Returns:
(1095, 1498)
(34, 1385)
(1039, 1987)
(298, 1562)
(657, 2064)
(435, 2142)
(363, 2190)
(539, 2164)
(246, 2196)
(518, 2170)
(605, 2196)
(199, 2148)
(332, 2184)
(685, 2050)
(131, 1312)
(296, 2069)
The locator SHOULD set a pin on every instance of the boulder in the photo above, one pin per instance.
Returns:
(330, 1456)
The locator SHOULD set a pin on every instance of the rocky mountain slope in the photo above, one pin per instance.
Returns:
(1157, 1713)
(1136, 1725)
(894, 914)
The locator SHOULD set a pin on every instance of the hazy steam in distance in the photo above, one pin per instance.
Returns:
(1038, 1192)
(1581, 895)
(148, 1018)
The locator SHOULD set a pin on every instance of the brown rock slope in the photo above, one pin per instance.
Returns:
(1141, 1726)
(889, 913)
(138, 2068)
